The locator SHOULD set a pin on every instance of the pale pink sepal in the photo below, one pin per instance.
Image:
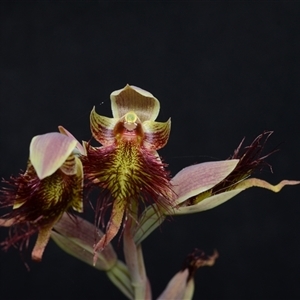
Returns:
(79, 147)
(199, 178)
(76, 236)
(49, 151)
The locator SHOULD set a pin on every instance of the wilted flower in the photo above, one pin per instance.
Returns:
(50, 186)
(127, 166)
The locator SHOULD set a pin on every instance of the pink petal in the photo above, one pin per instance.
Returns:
(49, 151)
(196, 179)
(76, 236)
(69, 134)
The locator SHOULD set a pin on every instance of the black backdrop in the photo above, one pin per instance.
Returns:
(222, 71)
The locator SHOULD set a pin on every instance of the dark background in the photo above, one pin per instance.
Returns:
(222, 71)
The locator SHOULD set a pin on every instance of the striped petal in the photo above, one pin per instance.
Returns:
(156, 133)
(196, 179)
(76, 236)
(69, 167)
(135, 99)
(49, 151)
(102, 128)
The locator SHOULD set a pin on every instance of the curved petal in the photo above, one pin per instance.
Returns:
(49, 151)
(135, 99)
(156, 133)
(69, 167)
(102, 128)
(69, 134)
(196, 179)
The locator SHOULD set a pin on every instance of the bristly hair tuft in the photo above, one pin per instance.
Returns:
(251, 159)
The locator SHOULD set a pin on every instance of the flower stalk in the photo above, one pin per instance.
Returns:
(135, 262)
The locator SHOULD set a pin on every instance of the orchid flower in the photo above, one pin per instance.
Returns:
(127, 167)
(51, 185)
(204, 186)
(130, 172)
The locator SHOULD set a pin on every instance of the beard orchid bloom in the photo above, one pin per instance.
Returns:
(52, 184)
(204, 186)
(127, 166)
